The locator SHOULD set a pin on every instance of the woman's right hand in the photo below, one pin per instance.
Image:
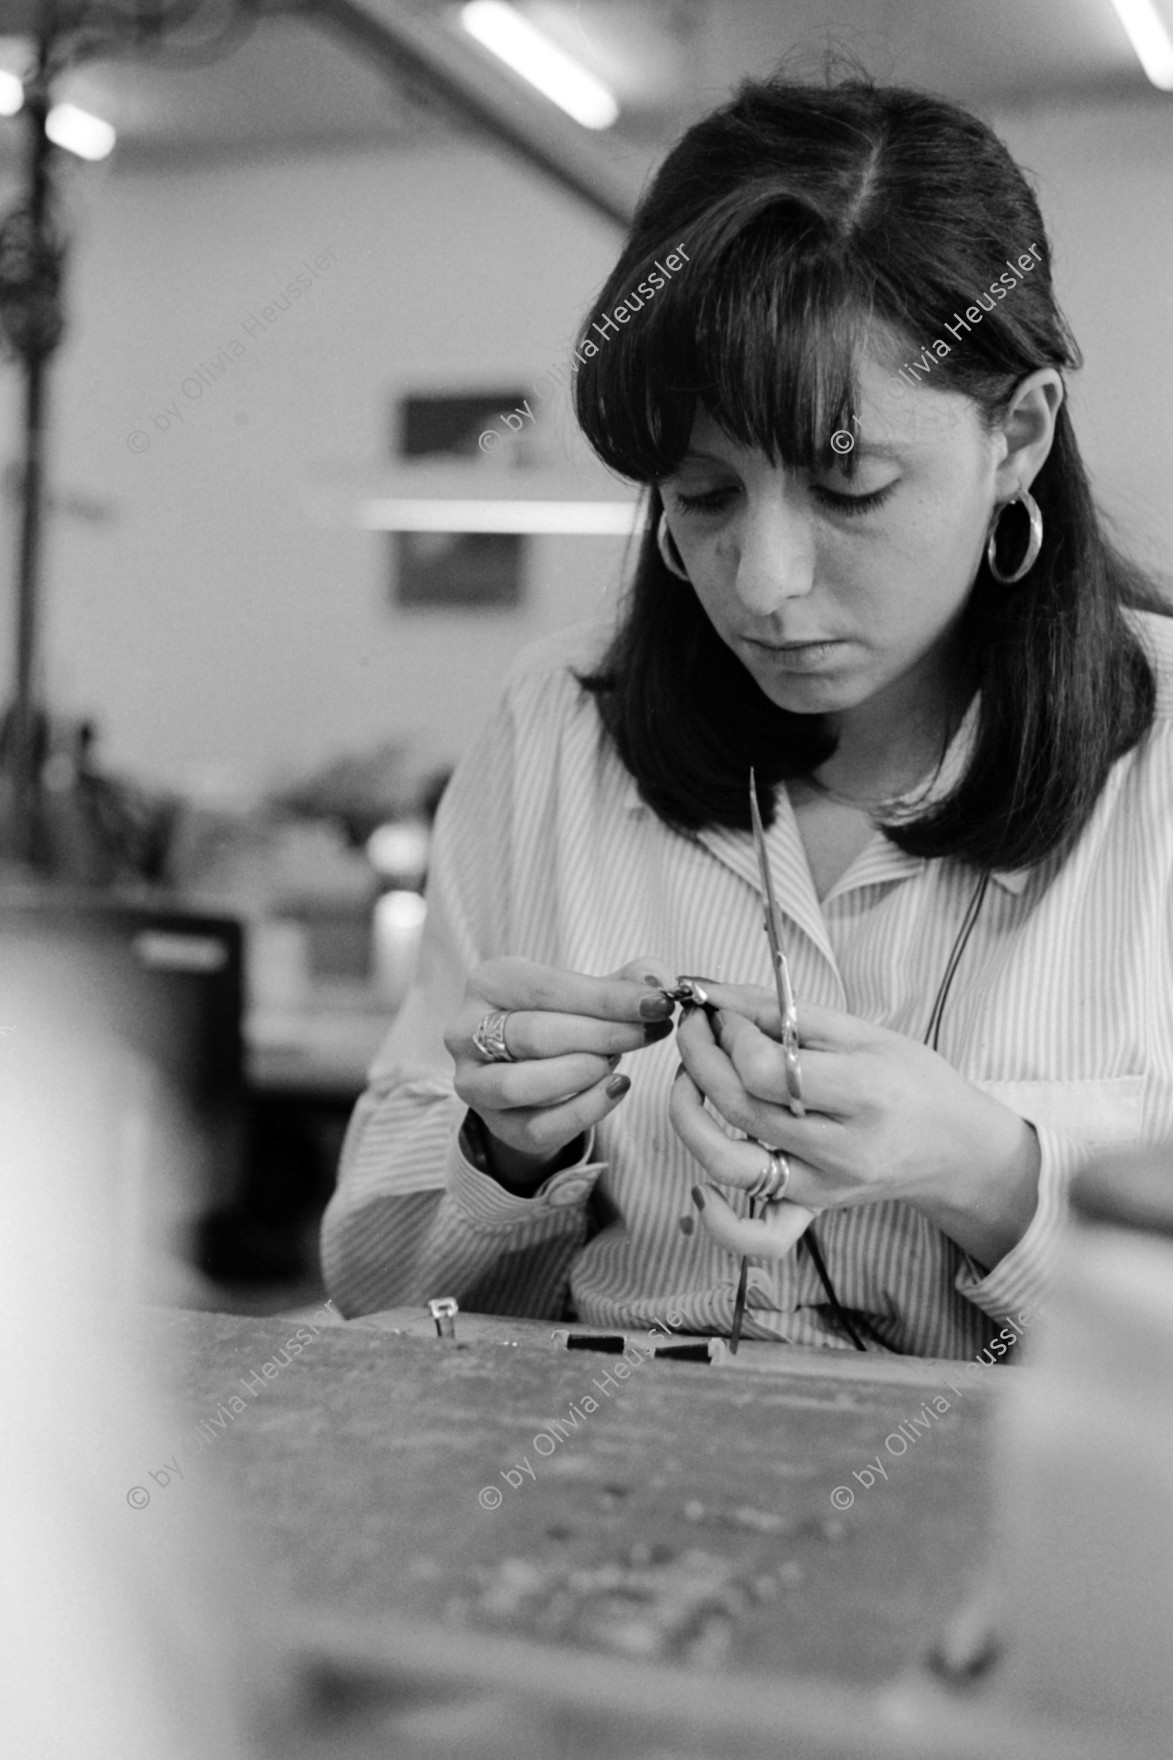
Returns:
(566, 1033)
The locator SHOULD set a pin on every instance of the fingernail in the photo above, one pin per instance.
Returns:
(618, 1086)
(698, 1197)
(687, 1224)
(613, 1060)
(655, 980)
(655, 1008)
(657, 1030)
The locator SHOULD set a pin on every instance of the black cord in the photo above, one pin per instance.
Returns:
(933, 1033)
(931, 1038)
(807, 1240)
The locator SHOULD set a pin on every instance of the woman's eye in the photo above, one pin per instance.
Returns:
(713, 500)
(710, 502)
(851, 504)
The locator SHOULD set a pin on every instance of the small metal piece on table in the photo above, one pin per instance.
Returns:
(444, 1311)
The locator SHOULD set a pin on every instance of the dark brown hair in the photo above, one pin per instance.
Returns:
(807, 212)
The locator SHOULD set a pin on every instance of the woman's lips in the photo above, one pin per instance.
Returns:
(809, 642)
(796, 656)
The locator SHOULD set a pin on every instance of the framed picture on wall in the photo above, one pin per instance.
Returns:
(461, 571)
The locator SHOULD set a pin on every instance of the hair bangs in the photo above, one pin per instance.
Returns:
(767, 339)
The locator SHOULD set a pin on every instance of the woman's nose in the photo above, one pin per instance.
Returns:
(774, 556)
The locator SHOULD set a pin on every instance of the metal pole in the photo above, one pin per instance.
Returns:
(24, 729)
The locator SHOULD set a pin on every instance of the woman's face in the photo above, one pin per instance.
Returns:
(830, 591)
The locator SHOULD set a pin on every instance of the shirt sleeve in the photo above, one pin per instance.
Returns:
(1023, 1277)
(412, 1218)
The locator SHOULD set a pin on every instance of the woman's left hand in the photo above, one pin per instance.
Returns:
(885, 1118)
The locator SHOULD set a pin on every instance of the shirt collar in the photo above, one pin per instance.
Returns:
(889, 862)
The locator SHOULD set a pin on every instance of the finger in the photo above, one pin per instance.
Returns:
(770, 1236)
(515, 983)
(532, 1033)
(767, 1116)
(757, 1003)
(832, 1029)
(539, 1082)
(742, 1071)
(544, 1130)
(728, 1160)
(648, 970)
(829, 1079)
(826, 1029)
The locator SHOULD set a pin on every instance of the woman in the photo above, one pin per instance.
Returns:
(873, 571)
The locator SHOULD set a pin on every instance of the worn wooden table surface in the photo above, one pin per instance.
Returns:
(695, 1567)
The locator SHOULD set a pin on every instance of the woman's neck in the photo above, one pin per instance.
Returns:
(889, 743)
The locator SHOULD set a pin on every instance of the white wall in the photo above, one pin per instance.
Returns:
(1104, 177)
(214, 628)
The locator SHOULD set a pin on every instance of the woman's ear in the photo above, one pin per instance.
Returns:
(1027, 431)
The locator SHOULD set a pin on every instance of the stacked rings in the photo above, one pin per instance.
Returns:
(489, 1038)
(773, 1180)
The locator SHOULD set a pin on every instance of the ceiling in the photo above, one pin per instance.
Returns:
(296, 81)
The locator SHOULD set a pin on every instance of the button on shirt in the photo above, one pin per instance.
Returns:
(1061, 1008)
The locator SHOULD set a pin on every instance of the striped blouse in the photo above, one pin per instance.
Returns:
(1062, 1008)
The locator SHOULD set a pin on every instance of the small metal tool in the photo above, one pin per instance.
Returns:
(688, 992)
(789, 1014)
(444, 1311)
(782, 985)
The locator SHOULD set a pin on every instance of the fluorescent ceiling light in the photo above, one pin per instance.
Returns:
(11, 94)
(1149, 36)
(514, 40)
(79, 132)
(585, 518)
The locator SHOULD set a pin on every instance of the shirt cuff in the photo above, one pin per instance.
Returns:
(489, 1206)
(1023, 1277)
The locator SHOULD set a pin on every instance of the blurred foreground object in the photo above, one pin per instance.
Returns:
(1085, 1471)
(127, 1632)
(132, 1015)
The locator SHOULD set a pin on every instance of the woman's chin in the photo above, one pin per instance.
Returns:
(805, 695)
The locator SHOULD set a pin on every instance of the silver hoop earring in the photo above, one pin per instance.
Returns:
(669, 554)
(1034, 544)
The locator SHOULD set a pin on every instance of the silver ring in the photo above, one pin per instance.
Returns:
(489, 1038)
(774, 1178)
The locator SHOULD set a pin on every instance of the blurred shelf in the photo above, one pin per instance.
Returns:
(322, 1049)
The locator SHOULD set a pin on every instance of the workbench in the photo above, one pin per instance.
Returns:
(695, 1568)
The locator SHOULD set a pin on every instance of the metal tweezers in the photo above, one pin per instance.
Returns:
(782, 985)
(789, 1013)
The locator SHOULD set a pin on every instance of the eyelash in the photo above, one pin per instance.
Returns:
(849, 505)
